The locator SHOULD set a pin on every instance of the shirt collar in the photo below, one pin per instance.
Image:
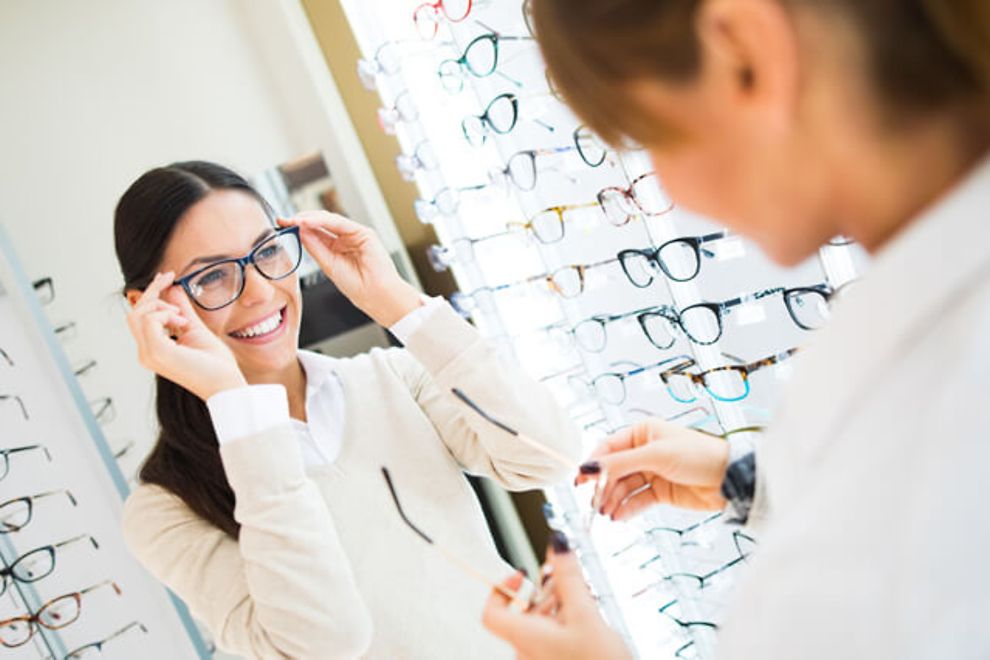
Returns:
(319, 369)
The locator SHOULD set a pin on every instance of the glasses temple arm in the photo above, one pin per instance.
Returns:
(466, 568)
(525, 439)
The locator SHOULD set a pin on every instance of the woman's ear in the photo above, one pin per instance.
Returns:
(756, 43)
(132, 296)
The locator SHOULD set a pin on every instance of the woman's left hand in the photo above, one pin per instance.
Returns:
(355, 260)
(573, 629)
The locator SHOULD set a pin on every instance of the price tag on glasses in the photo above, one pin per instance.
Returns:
(784, 371)
(750, 312)
(731, 247)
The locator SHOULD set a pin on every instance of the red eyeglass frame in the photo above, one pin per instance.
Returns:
(437, 7)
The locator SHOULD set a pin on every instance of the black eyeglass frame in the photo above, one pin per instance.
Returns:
(462, 63)
(8, 573)
(486, 122)
(243, 263)
(5, 456)
(652, 255)
(722, 309)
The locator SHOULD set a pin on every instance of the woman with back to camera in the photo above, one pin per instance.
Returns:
(793, 121)
(262, 505)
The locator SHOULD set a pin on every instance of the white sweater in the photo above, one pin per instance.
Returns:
(324, 567)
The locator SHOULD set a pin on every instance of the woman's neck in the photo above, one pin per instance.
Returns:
(894, 184)
(293, 378)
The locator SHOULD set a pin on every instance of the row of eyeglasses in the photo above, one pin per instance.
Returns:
(673, 591)
(38, 563)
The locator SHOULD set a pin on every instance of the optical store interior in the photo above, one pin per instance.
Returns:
(381, 329)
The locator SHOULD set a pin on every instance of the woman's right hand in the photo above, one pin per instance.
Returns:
(666, 463)
(173, 342)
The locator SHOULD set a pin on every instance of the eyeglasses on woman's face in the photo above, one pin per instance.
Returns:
(219, 284)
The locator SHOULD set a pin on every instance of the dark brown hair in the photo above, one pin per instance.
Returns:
(924, 55)
(186, 458)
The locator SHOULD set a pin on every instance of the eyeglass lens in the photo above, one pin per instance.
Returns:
(276, 258)
(809, 308)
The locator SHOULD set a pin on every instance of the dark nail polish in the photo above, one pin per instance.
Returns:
(591, 467)
(559, 543)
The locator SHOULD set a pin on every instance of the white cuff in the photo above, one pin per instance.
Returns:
(739, 446)
(407, 326)
(246, 411)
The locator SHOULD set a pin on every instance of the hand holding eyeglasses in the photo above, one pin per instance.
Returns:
(355, 260)
(573, 629)
(656, 462)
(174, 343)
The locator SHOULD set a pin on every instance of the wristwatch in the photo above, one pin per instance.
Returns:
(739, 484)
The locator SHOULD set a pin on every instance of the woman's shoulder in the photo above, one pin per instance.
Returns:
(379, 363)
(150, 509)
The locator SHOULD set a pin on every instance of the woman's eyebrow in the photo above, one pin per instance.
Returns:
(210, 258)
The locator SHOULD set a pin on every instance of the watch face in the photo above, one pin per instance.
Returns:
(739, 485)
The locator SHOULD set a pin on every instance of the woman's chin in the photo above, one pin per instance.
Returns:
(262, 360)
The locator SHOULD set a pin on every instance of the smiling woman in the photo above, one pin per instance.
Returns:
(261, 504)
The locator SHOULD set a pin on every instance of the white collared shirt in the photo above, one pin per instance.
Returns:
(248, 410)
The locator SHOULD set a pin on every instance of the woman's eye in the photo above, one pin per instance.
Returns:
(268, 252)
(211, 278)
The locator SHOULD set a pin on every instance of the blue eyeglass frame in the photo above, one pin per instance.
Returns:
(243, 262)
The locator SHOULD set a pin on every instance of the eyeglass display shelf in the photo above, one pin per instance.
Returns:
(59, 417)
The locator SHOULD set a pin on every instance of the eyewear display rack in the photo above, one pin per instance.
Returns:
(536, 221)
(61, 495)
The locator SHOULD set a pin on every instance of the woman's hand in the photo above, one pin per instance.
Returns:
(174, 343)
(656, 462)
(355, 260)
(572, 629)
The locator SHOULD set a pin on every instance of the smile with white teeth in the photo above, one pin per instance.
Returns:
(263, 327)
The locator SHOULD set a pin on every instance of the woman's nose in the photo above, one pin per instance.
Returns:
(257, 288)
